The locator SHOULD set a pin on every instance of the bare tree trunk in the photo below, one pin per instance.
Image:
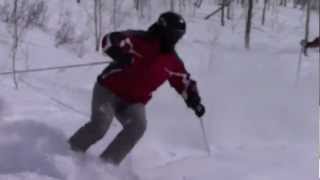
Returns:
(264, 12)
(229, 11)
(172, 5)
(96, 31)
(114, 14)
(78, 1)
(219, 9)
(182, 5)
(319, 60)
(248, 24)
(137, 4)
(222, 12)
(198, 3)
(243, 2)
(306, 36)
(295, 3)
(99, 22)
(15, 43)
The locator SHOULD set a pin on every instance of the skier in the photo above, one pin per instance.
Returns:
(142, 61)
(313, 44)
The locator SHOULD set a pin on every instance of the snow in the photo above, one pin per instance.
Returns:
(261, 122)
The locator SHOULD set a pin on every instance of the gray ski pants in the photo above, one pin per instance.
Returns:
(105, 105)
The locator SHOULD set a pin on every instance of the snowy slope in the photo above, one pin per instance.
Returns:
(261, 123)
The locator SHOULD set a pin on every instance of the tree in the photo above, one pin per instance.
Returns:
(248, 24)
(222, 12)
(19, 16)
(229, 11)
(140, 6)
(97, 22)
(219, 9)
(306, 35)
(264, 12)
(172, 5)
(15, 45)
(283, 2)
(243, 2)
(198, 3)
(319, 36)
(183, 5)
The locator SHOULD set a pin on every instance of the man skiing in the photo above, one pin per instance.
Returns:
(142, 61)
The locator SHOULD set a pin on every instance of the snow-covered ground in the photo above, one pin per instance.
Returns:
(261, 121)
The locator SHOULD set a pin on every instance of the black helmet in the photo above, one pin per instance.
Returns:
(170, 27)
(172, 23)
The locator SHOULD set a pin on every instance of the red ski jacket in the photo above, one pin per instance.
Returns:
(140, 67)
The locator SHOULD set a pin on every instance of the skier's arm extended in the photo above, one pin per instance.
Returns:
(184, 85)
(118, 46)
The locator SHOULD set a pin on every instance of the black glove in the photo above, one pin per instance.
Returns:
(199, 110)
(194, 102)
(121, 57)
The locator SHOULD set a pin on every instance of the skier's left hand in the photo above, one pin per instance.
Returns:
(194, 102)
(199, 110)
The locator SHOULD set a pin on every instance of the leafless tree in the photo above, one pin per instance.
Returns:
(222, 12)
(229, 10)
(66, 32)
(114, 14)
(306, 35)
(248, 24)
(227, 3)
(198, 3)
(172, 5)
(319, 35)
(243, 2)
(283, 3)
(15, 45)
(182, 5)
(265, 2)
(97, 22)
(140, 6)
(19, 16)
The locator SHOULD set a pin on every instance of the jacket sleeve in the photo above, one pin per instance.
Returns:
(181, 81)
(314, 43)
(118, 46)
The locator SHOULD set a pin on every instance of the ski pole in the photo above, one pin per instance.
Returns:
(55, 68)
(299, 66)
(205, 139)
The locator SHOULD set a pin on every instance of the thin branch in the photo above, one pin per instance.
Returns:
(219, 9)
(54, 68)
